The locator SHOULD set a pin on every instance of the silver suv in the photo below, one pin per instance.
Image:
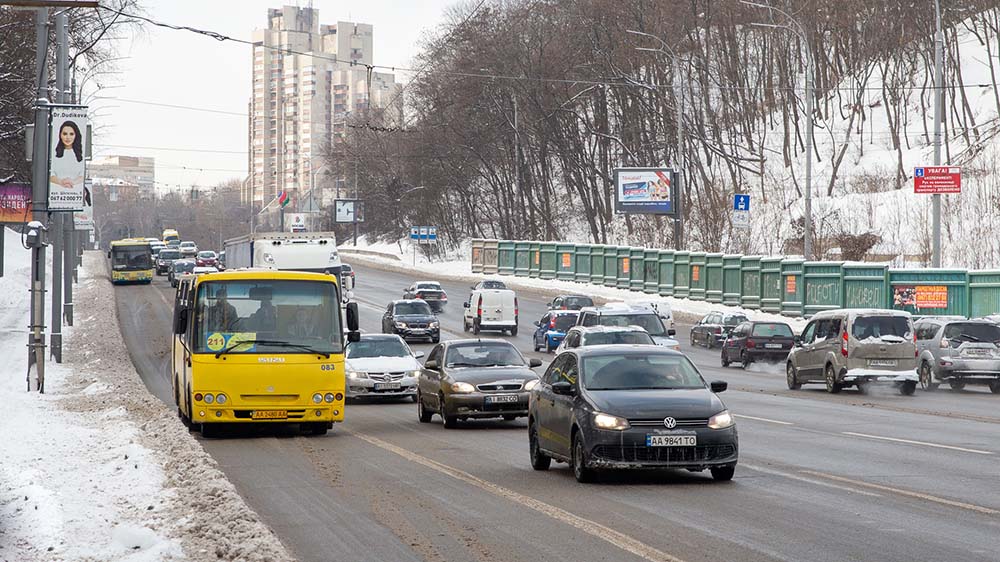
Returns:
(848, 347)
(958, 352)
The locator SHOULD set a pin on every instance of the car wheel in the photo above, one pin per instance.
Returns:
(927, 378)
(791, 377)
(539, 460)
(995, 386)
(548, 346)
(513, 331)
(908, 388)
(436, 339)
(956, 384)
(581, 471)
(414, 397)
(450, 422)
(534, 344)
(475, 327)
(725, 358)
(422, 413)
(831, 381)
(692, 340)
(465, 325)
(745, 359)
(723, 473)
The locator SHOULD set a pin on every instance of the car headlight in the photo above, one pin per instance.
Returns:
(531, 384)
(357, 375)
(401, 324)
(434, 324)
(221, 399)
(317, 398)
(607, 421)
(722, 420)
(675, 347)
(462, 387)
(415, 373)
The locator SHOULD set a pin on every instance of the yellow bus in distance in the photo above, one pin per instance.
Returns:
(170, 235)
(131, 261)
(260, 346)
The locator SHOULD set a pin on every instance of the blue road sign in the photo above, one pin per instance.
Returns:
(414, 233)
(741, 202)
(918, 172)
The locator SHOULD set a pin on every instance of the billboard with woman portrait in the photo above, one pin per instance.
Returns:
(67, 167)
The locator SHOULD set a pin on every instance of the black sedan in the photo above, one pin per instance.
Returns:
(756, 341)
(715, 327)
(464, 379)
(617, 407)
(411, 319)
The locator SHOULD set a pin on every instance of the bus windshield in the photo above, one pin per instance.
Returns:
(269, 315)
(129, 258)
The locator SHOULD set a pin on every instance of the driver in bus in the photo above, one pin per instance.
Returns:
(222, 315)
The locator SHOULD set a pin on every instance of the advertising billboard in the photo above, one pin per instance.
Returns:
(67, 166)
(648, 191)
(15, 203)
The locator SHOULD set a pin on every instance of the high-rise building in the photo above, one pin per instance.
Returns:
(135, 175)
(308, 79)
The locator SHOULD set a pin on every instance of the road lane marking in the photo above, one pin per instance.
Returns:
(924, 443)
(808, 480)
(615, 538)
(908, 493)
(763, 419)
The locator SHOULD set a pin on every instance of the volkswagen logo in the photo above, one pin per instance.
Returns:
(669, 423)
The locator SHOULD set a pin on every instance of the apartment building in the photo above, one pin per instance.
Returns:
(308, 80)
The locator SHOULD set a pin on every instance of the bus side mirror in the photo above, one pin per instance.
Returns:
(109, 254)
(353, 337)
(180, 320)
(353, 334)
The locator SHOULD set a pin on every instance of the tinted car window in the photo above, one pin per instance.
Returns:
(647, 321)
(959, 333)
(639, 372)
(768, 330)
(183, 266)
(482, 355)
(589, 320)
(493, 285)
(619, 338)
(376, 348)
(428, 286)
(576, 302)
(733, 320)
(169, 254)
(565, 322)
(415, 308)
(879, 326)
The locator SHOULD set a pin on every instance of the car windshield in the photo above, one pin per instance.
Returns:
(639, 371)
(618, 338)
(187, 244)
(270, 315)
(577, 303)
(961, 332)
(412, 308)
(493, 285)
(428, 287)
(771, 330)
(207, 254)
(388, 347)
(565, 322)
(646, 320)
(733, 320)
(482, 355)
(878, 327)
(131, 257)
(182, 266)
(169, 254)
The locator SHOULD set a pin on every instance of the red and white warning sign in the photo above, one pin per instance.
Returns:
(937, 179)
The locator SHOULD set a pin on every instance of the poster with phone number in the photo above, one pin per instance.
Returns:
(218, 341)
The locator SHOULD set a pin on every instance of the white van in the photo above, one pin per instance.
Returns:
(491, 309)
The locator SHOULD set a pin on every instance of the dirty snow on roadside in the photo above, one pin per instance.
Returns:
(96, 468)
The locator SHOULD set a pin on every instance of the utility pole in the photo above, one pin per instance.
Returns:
(938, 110)
(39, 196)
(678, 217)
(59, 245)
(356, 204)
(807, 233)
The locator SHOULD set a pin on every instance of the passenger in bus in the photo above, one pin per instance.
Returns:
(222, 316)
(266, 317)
(304, 325)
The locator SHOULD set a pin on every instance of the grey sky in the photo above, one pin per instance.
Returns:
(183, 68)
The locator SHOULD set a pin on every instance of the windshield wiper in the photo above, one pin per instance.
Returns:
(970, 337)
(464, 365)
(325, 354)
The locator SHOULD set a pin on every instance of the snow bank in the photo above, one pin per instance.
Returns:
(96, 468)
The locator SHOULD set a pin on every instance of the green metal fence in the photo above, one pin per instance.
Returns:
(491, 254)
(682, 274)
(651, 272)
(581, 263)
(477, 256)
(792, 291)
(624, 267)
(535, 265)
(611, 266)
(522, 258)
(984, 293)
(823, 286)
(637, 269)
(713, 278)
(770, 284)
(597, 265)
(864, 285)
(750, 283)
(565, 260)
(666, 266)
(696, 276)
(505, 258)
(732, 279)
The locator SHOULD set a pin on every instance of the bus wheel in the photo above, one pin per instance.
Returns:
(209, 430)
(318, 428)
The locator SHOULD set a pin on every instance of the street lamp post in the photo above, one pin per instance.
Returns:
(801, 32)
(938, 109)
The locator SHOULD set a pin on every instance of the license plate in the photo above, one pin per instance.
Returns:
(773, 345)
(882, 362)
(387, 386)
(269, 414)
(501, 399)
(671, 440)
(978, 352)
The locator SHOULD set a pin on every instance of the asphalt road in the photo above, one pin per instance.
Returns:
(821, 477)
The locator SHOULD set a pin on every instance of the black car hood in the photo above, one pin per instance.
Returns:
(480, 375)
(656, 404)
(414, 318)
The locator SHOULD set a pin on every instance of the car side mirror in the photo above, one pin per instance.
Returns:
(671, 332)
(532, 363)
(537, 323)
(797, 340)
(418, 354)
(719, 386)
(466, 305)
(180, 320)
(109, 255)
(431, 364)
(562, 387)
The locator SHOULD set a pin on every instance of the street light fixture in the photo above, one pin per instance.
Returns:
(801, 32)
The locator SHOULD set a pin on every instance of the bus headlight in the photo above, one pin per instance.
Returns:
(209, 399)
(328, 397)
(317, 398)
(221, 399)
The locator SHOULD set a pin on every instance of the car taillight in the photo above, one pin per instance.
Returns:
(843, 343)
(718, 330)
(751, 344)
(444, 296)
(418, 296)
(515, 308)
(916, 352)
(479, 307)
(552, 324)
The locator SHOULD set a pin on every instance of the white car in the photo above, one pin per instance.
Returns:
(582, 336)
(382, 366)
(188, 249)
(199, 269)
(491, 309)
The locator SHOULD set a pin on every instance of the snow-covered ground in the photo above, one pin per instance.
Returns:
(97, 468)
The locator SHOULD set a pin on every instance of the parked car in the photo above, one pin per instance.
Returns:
(464, 379)
(755, 341)
(491, 309)
(411, 319)
(188, 249)
(178, 268)
(847, 347)
(715, 327)
(582, 336)
(622, 314)
(430, 292)
(206, 258)
(165, 260)
(628, 407)
(958, 352)
(551, 329)
(381, 366)
(570, 302)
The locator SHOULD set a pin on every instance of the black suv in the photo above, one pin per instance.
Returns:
(165, 259)
(411, 319)
(629, 406)
(753, 341)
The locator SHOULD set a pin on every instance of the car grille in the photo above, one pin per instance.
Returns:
(692, 422)
(499, 386)
(416, 324)
(386, 377)
(631, 453)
